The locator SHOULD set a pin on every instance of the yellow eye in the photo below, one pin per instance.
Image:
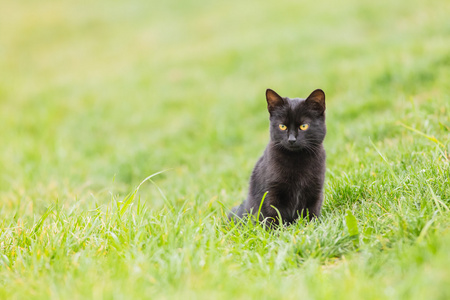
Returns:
(304, 127)
(282, 127)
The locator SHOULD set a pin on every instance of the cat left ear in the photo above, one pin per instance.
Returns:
(273, 100)
(317, 100)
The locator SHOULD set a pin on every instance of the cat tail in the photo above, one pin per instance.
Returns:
(237, 212)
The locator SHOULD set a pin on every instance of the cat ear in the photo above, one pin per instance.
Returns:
(317, 100)
(273, 100)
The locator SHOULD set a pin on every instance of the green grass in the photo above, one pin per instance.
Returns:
(96, 96)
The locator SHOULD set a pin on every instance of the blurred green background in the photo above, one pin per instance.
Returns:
(96, 91)
(97, 95)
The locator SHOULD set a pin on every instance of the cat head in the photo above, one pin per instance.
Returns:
(297, 124)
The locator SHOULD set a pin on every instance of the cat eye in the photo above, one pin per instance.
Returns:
(304, 126)
(282, 127)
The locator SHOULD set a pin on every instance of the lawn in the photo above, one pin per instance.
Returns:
(97, 96)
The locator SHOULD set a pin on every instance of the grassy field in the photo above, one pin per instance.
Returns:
(96, 96)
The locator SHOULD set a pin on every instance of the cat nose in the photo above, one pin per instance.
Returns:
(292, 139)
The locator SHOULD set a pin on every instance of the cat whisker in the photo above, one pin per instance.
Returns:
(313, 150)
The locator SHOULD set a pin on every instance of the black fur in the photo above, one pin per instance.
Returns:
(292, 172)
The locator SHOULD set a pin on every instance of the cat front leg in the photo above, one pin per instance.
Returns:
(274, 214)
(314, 208)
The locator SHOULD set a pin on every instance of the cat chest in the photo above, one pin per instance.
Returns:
(295, 179)
(295, 188)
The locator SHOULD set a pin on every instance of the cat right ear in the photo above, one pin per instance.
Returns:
(317, 100)
(273, 100)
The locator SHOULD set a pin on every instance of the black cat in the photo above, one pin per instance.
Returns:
(292, 168)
